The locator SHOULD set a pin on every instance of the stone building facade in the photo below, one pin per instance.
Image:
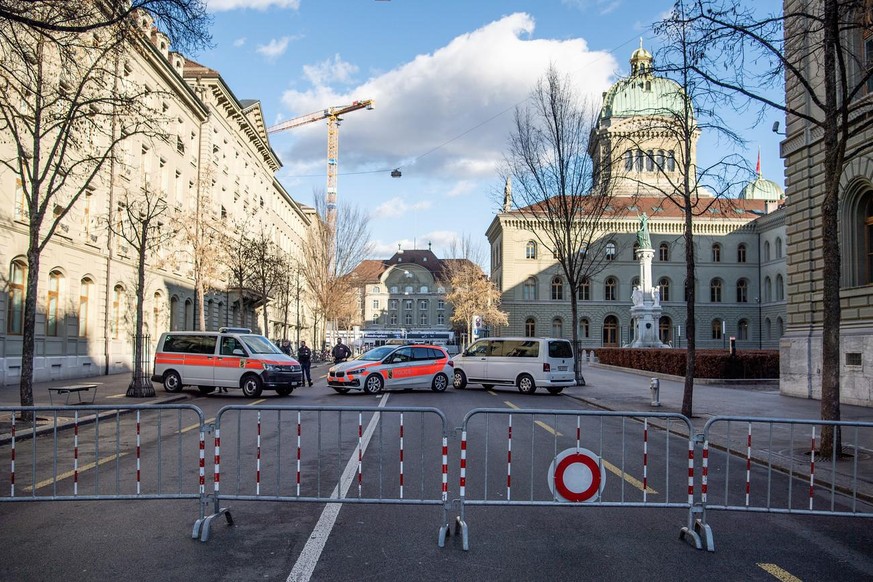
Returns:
(740, 243)
(802, 151)
(215, 166)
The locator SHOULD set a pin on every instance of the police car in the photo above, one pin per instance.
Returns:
(390, 366)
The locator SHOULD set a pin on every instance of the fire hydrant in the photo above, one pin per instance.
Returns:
(655, 387)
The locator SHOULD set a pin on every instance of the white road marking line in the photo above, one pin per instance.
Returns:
(308, 559)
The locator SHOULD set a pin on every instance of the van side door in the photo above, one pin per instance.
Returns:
(229, 363)
(199, 360)
(475, 361)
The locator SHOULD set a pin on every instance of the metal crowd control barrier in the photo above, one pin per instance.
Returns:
(320, 453)
(568, 455)
(772, 465)
(100, 453)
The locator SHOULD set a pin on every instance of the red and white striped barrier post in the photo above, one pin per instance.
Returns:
(12, 467)
(690, 472)
(445, 495)
(509, 461)
(812, 469)
(138, 454)
(76, 454)
(216, 475)
(748, 464)
(298, 452)
(202, 461)
(258, 459)
(578, 432)
(705, 476)
(462, 486)
(401, 455)
(645, 457)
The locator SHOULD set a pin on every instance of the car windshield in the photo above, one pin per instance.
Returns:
(376, 354)
(258, 344)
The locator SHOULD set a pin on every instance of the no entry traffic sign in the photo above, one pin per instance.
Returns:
(576, 475)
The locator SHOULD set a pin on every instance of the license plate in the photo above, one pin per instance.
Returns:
(562, 368)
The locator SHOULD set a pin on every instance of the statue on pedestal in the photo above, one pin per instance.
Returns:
(637, 296)
(643, 239)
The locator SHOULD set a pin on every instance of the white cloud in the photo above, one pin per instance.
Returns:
(601, 6)
(275, 48)
(330, 70)
(222, 5)
(239, 42)
(461, 188)
(447, 113)
(396, 207)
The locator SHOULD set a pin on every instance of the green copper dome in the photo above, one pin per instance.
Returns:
(762, 189)
(642, 93)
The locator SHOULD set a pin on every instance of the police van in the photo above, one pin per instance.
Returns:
(527, 363)
(228, 358)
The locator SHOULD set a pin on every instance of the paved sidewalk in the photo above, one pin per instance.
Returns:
(786, 446)
(111, 390)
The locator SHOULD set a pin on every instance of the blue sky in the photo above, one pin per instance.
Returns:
(445, 76)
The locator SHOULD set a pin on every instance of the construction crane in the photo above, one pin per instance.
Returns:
(332, 114)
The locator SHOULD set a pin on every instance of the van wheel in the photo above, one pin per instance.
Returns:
(251, 386)
(440, 383)
(526, 384)
(373, 384)
(206, 389)
(555, 389)
(172, 382)
(284, 390)
(460, 380)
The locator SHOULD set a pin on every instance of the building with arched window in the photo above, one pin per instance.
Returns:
(214, 164)
(803, 150)
(730, 240)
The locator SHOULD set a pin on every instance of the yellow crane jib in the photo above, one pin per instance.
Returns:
(332, 115)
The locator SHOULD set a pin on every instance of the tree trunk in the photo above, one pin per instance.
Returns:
(690, 327)
(830, 358)
(29, 332)
(140, 386)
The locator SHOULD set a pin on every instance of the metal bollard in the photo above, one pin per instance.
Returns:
(655, 387)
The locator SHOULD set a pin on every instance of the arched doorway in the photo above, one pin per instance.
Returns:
(610, 332)
(665, 330)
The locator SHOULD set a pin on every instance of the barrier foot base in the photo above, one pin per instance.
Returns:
(201, 527)
(703, 530)
(688, 535)
(461, 527)
(445, 531)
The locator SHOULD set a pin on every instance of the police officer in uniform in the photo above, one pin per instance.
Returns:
(304, 356)
(340, 352)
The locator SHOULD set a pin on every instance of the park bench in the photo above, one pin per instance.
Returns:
(76, 389)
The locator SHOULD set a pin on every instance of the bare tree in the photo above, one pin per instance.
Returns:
(686, 110)
(141, 221)
(237, 262)
(331, 255)
(471, 293)
(266, 270)
(63, 116)
(814, 48)
(186, 22)
(202, 241)
(557, 187)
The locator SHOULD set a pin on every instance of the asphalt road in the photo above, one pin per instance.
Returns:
(279, 540)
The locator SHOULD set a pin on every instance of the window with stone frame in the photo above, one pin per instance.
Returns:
(715, 288)
(610, 288)
(15, 298)
(664, 252)
(742, 291)
(584, 327)
(530, 250)
(584, 290)
(741, 253)
(529, 289)
(716, 329)
(530, 327)
(743, 330)
(664, 284)
(716, 253)
(557, 289)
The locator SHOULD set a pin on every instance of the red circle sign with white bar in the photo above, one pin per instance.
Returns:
(576, 475)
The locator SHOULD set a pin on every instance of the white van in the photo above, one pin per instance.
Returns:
(228, 358)
(525, 362)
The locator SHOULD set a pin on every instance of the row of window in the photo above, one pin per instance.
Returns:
(610, 289)
(409, 289)
(409, 318)
(531, 251)
(408, 304)
(638, 160)
(54, 313)
(610, 328)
